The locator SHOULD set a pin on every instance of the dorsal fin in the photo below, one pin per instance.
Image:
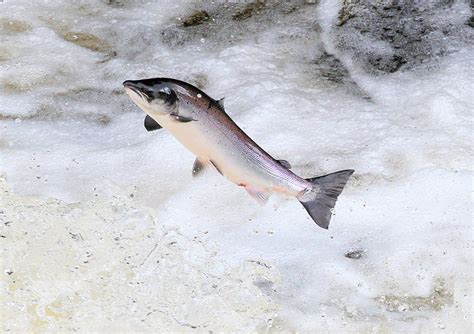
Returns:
(220, 102)
(285, 164)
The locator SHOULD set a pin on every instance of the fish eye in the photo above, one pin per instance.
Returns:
(167, 95)
(166, 90)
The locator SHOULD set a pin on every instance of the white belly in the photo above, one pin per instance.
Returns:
(208, 146)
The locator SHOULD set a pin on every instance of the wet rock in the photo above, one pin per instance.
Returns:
(109, 56)
(224, 24)
(386, 36)
(13, 26)
(470, 22)
(87, 41)
(233, 23)
(439, 297)
(196, 18)
(115, 3)
(249, 10)
(330, 69)
(355, 254)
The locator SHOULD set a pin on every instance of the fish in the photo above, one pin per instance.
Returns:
(202, 125)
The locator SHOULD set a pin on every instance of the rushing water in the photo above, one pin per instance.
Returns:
(104, 229)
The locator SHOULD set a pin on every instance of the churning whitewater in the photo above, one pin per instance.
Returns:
(103, 229)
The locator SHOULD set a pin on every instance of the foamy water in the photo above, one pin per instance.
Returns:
(104, 229)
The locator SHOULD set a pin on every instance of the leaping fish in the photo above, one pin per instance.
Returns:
(201, 124)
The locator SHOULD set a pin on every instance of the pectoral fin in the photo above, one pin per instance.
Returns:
(199, 166)
(151, 124)
(181, 119)
(260, 195)
(285, 164)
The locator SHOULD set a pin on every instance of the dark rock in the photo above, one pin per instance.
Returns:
(230, 23)
(249, 10)
(354, 254)
(389, 35)
(470, 22)
(196, 18)
(329, 68)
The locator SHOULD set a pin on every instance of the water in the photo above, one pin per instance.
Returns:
(104, 228)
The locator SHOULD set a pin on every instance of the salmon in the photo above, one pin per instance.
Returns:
(201, 124)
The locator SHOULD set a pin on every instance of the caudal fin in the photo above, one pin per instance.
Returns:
(320, 200)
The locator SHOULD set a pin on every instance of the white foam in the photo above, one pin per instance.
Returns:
(82, 176)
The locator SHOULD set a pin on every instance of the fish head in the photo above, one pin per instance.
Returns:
(154, 96)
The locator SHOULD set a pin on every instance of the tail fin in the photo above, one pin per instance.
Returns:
(320, 200)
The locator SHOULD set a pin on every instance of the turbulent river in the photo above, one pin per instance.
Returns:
(104, 229)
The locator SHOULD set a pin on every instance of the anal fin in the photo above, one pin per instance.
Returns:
(259, 195)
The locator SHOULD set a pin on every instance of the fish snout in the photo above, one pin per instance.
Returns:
(152, 93)
(137, 91)
(130, 84)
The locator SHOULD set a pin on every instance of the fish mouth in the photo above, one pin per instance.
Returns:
(128, 84)
(134, 87)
